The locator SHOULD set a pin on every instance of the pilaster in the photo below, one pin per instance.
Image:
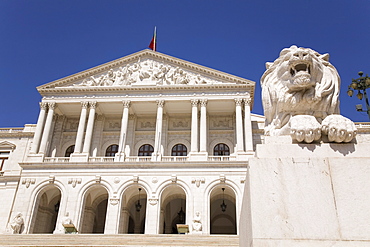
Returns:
(152, 216)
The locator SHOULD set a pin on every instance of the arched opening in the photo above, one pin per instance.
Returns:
(223, 211)
(179, 150)
(146, 150)
(173, 209)
(69, 151)
(221, 149)
(94, 210)
(133, 211)
(46, 210)
(111, 150)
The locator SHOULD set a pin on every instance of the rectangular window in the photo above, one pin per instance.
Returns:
(4, 155)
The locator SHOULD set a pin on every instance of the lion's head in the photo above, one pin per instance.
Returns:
(300, 82)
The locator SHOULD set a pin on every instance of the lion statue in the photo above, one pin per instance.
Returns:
(300, 92)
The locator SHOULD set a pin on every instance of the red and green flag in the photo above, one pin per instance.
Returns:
(153, 43)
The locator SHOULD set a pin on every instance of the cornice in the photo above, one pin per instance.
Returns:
(132, 165)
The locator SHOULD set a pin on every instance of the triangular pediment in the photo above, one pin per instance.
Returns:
(144, 69)
(7, 145)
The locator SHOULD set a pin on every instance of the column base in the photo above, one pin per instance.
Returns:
(35, 157)
(79, 157)
(156, 157)
(119, 157)
(242, 156)
(198, 156)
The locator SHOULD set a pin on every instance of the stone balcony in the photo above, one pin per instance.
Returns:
(136, 159)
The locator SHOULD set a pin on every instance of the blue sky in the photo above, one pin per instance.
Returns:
(42, 41)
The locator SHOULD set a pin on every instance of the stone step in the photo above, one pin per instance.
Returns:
(126, 240)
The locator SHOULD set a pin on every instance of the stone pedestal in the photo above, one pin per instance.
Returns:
(198, 156)
(306, 195)
(79, 157)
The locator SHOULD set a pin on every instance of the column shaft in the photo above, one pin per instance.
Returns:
(248, 125)
(39, 128)
(46, 133)
(158, 128)
(194, 125)
(124, 122)
(89, 128)
(203, 125)
(239, 125)
(81, 128)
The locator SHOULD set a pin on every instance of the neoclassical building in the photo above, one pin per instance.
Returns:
(151, 144)
(136, 145)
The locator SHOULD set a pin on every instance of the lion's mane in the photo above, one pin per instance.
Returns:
(300, 82)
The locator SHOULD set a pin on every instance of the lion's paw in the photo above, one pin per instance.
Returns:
(339, 128)
(305, 128)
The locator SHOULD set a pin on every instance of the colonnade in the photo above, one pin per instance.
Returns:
(244, 138)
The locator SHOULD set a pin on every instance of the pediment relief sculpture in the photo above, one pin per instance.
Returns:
(146, 72)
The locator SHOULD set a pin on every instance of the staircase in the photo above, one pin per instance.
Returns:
(126, 240)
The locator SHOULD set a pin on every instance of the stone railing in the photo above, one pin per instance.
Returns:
(138, 159)
(134, 159)
(174, 158)
(57, 159)
(218, 158)
(10, 130)
(101, 159)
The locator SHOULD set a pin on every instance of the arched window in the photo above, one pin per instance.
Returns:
(146, 150)
(111, 150)
(179, 150)
(221, 149)
(69, 151)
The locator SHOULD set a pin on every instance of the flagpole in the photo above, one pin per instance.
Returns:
(155, 38)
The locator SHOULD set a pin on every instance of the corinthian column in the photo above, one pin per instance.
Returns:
(123, 134)
(39, 128)
(194, 125)
(158, 129)
(203, 125)
(48, 123)
(89, 128)
(248, 125)
(239, 125)
(81, 128)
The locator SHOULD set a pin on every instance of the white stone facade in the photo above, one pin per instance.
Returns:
(148, 141)
(105, 154)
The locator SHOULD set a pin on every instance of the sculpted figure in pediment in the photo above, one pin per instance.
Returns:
(146, 71)
(133, 73)
(109, 78)
(159, 73)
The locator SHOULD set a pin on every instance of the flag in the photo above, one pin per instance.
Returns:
(153, 43)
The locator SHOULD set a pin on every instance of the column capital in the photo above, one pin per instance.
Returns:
(84, 104)
(92, 104)
(51, 105)
(248, 101)
(238, 101)
(131, 116)
(43, 105)
(203, 102)
(194, 102)
(160, 103)
(126, 103)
